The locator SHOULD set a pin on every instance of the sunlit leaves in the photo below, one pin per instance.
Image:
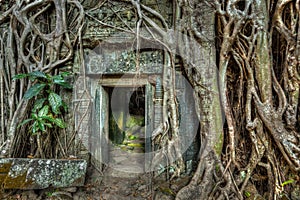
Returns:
(44, 111)
(48, 105)
(37, 74)
(38, 104)
(55, 102)
(20, 76)
(60, 123)
(60, 80)
(34, 90)
(32, 75)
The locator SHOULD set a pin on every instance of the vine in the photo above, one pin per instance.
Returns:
(241, 57)
(40, 35)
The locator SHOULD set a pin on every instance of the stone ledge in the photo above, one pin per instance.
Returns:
(23, 173)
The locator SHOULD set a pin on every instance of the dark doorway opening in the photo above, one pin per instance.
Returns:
(127, 118)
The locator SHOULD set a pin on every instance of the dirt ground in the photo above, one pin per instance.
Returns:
(107, 186)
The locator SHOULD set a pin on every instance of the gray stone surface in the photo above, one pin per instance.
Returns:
(118, 61)
(23, 173)
(125, 17)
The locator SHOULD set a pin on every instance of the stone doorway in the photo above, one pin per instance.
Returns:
(122, 124)
(127, 128)
(127, 117)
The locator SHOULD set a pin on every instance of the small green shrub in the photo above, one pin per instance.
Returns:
(47, 104)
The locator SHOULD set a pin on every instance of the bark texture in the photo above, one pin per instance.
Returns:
(241, 57)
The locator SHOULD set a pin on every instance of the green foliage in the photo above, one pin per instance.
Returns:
(34, 90)
(163, 169)
(247, 194)
(55, 102)
(243, 175)
(132, 137)
(47, 104)
(287, 182)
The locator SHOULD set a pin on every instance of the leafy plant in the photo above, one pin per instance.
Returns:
(48, 104)
(247, 194)
(287, 182)
(132, 137)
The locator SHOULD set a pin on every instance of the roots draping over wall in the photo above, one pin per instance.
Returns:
(241, 57)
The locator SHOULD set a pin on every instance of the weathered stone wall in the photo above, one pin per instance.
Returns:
(108, 60)
(126, 17)
(109, 52)
(189, 123)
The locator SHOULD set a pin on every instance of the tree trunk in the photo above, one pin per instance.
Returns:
(201, 69)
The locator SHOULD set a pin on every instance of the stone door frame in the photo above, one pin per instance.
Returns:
(99, 140)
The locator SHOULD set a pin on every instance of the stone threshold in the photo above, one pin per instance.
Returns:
(25, 173)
